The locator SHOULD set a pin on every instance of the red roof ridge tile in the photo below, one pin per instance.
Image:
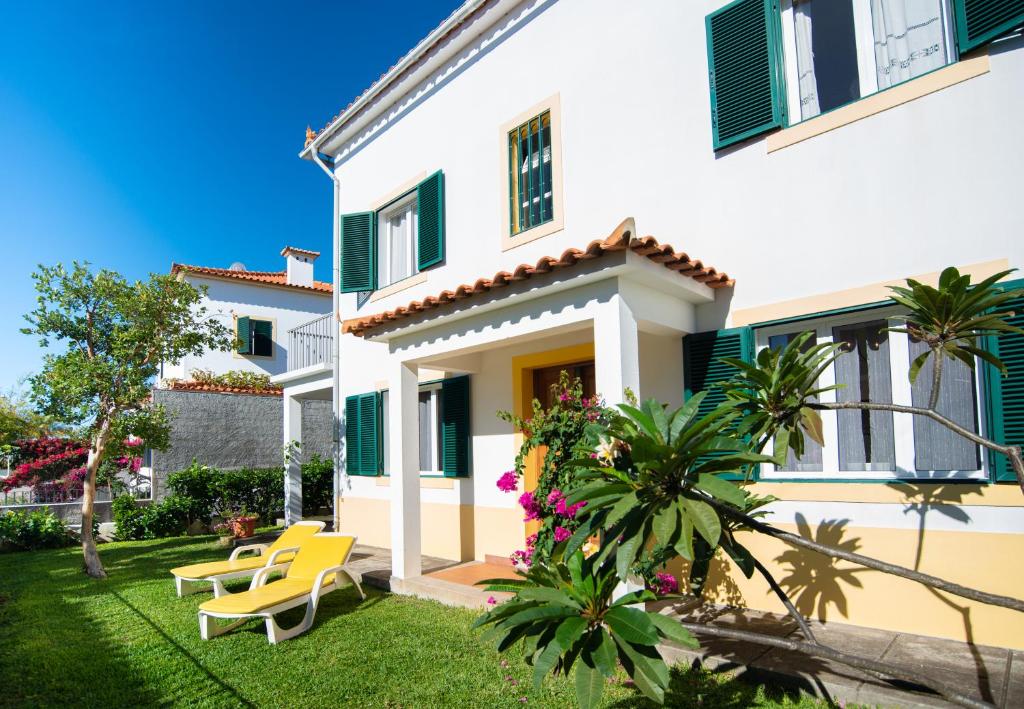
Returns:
(621, 239)
(273, 278)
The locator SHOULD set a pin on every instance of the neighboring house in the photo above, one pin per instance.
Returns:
(232, 428)
(493, 195)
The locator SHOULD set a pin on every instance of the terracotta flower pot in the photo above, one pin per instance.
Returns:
(244, 527)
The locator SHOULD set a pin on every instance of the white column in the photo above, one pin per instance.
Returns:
(293, 471)
(403, 432)
(616, 351)
(616, 368)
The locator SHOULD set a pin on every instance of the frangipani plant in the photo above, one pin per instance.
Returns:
(565, 615)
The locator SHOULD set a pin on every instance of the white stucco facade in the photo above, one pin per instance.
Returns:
(804, 219)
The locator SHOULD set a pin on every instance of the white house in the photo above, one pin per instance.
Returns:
(542, 184)
(261, 308)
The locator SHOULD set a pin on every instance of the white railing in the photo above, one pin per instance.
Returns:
(310, 343)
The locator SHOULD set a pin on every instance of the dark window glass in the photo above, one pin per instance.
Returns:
(262, 338)
(834, 51)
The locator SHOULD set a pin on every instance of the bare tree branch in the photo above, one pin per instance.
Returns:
(784, 597)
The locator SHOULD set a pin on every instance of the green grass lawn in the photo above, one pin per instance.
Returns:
(128, 641)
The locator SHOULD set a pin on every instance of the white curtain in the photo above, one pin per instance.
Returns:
(805, 60)
(910, 39)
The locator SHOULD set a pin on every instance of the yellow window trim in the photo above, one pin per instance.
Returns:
(966, 68)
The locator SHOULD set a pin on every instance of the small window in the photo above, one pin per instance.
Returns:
(396, 241)
(429, 410)
(531, 201)
(843, 50)
(255, 336)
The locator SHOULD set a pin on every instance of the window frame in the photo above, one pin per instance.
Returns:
(407, 201)
(434, 387)
(903, 424)
(552, 106)
(868, 73)
(252, 333)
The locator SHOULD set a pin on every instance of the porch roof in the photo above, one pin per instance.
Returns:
(621, 239)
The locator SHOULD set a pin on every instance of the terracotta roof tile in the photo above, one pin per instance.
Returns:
(275, 278)
(620, 240)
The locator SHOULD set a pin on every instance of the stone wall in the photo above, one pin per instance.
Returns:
(232, 431)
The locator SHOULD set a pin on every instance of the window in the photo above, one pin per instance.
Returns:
(255, 336)
(430, 430)
(396, 241)
(880, 444)
(531, 191)
(838, 51)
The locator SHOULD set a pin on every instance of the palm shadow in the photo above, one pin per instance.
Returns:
(816, 581)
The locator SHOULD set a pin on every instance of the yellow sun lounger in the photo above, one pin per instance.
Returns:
(317, 569)
(190, 579)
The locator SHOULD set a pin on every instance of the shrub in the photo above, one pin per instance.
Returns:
(256, 381)
(40, 529)
(129, 523)
(225, 492)
(317, 484)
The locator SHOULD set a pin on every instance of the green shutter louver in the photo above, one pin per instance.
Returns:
(243, 331)
(455, 427)
(358, 252)
(1005, 395)
(745, 70)
(703, 368)
(362, 434)
(981, 21)
(430, 221)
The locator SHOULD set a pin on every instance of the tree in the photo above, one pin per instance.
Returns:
(18, 421)
(115, 334)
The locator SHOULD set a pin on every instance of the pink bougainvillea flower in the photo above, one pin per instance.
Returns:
(664, 583)
(531, 541)
(492, 601)
(520, 557)
(561, 534)
(554, 496)
(508, 482)
(564, 396)
(530, 506)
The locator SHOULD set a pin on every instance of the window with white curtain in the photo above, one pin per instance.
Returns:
(880, 444)
(429, 416)
(396, 241)
(838, 51)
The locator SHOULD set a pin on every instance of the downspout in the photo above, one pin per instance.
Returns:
(336, 349)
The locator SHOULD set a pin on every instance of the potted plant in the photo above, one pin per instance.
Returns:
(244, 525)
(225, 533)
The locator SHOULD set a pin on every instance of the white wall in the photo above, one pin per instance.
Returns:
(225, 300)
(907, 191)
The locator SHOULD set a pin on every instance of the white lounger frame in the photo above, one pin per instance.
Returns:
(186, 586)
(208, 628)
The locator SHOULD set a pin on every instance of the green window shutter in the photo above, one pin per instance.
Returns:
(244, 334)
(981, 21)
(430, 221)
(362, 434)
(745, 70)
(455, 429)
(262, 337)
(358, 252)
(1004, 396)
(703, 368)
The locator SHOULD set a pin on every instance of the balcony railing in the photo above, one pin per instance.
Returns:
(310, 343)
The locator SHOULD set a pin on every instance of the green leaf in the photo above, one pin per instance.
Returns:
(915, 366)
(739, 554)
(684, 414)
(671, 629)
(631, 625)
(589, 685)
(602, 651)
(626, 554)
(645, 666)
(635, 597)
(545, 661)
(548, 595)
(810, 419)
(722, 489)
(538, 613)
(705, 520)
(666, 523)
(570, 631)
(684, 545)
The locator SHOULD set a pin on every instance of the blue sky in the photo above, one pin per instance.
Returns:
(134, 134)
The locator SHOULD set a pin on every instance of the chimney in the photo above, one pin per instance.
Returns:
(299, 265)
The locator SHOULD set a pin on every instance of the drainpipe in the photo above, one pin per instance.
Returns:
(336, 349)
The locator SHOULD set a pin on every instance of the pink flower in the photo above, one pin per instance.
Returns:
(508, 482)
(492, 601)
(520, 557)
(531, 541)
(568, 511)
(530, 506)
(554, 496)
(564, 396)
(561, 534)
(664, 583)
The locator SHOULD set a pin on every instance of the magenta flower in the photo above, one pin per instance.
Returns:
(508, 482)
(664, 583)
(531, 541)
(561, 534)
(520, 557)
(492, 601)
(554, 496)
(564, 396)
(568, 511)
(529, 504)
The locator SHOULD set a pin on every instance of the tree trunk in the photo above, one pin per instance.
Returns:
(93, 565)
